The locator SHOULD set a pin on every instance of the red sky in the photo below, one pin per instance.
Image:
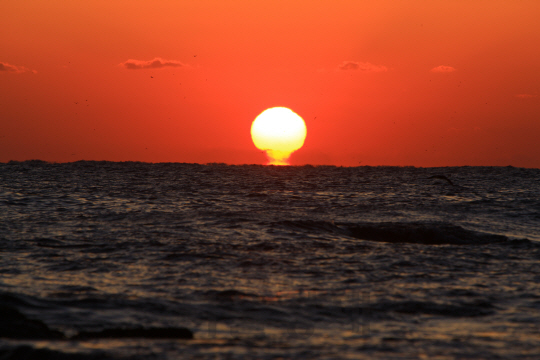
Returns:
(423, 83)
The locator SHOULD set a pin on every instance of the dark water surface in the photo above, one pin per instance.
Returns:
(126, 260)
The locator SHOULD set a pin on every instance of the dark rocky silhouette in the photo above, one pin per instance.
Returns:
(15, 325)
(442, 177)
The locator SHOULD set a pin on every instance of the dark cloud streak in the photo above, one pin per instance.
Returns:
(443, 69)
(361, 66)
(156, 63)
(15, 69)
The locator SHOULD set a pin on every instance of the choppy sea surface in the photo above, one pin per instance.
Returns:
(105, 260)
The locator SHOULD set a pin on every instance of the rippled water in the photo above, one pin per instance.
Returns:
(264, 262)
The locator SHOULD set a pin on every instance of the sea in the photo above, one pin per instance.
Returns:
(131, 260)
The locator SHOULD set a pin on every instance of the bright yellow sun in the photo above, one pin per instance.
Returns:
(279, 132)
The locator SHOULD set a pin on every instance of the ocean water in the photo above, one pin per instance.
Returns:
(105, 260)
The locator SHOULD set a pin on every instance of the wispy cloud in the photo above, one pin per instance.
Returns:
(525, 96)
(13, 68)
(361, 66)
(443, 69)
(156, 63)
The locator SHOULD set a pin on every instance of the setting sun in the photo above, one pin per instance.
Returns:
(279, 132)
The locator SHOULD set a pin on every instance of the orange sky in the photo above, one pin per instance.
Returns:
(423, 83)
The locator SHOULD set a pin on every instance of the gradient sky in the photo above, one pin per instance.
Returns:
(423, 83)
